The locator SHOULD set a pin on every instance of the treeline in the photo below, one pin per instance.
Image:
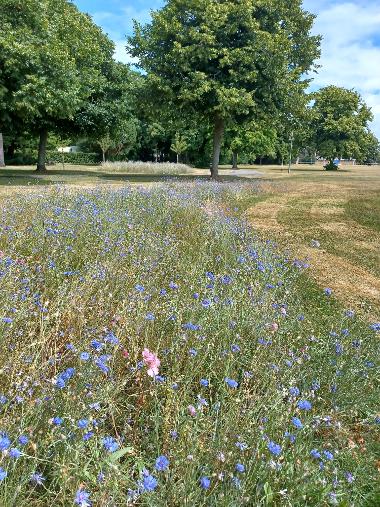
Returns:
(220, 82)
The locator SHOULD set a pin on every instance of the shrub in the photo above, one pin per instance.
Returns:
(164, 168)
(74, 158)
(331, 166)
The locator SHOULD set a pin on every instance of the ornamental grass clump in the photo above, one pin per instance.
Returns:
(155, 352)
(153, 168)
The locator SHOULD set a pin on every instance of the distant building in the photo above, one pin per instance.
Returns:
(69, 149)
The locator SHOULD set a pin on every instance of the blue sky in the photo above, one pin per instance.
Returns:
(350, 49)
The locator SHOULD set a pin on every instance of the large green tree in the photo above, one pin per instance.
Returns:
(108, 116)
(227, 59)
(51, 56)
(340, 124)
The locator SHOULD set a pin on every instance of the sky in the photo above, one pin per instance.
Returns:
(350, 47)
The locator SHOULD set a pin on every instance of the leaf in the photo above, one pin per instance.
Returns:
(119, 454)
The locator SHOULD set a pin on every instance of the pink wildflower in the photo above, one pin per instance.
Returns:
(152, 362)
(192, 410)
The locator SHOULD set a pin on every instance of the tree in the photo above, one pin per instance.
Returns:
(340, 124)
(227, 59)
(109, 112)
(51, 57)
(179, 145)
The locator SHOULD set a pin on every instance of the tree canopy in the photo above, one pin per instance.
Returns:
(340, 127)
(51, 57)
(225, 58)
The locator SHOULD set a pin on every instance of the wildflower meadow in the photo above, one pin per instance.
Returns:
(155, 352)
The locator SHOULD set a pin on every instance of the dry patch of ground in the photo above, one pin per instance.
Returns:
(348, 258)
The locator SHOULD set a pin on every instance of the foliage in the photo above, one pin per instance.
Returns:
(179, 145)
(79, 158)
(51, 58)
(156, 351)
(340, 123)
(227, 59)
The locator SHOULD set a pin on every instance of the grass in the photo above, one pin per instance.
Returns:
(365, 210)
(91, 278)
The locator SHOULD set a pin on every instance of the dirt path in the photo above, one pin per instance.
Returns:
(308, 210)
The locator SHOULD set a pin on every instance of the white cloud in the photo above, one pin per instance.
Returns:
(350, 49)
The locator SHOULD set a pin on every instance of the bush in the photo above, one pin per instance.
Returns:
(22, 159)
(331, 166)
(164, 168)
(74, 158)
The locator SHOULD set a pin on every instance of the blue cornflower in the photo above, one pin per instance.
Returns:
(57, 421)
(241, 445)
(88, 435)
(328, 291)
(328, 455)
(294, 391)
(162, 463)
(60, 383)
(82, 423)
(297, 423)
(274, 448)
(193, 352)
(14, 453)
(149, 483)
(85, 356)
(100, 364)
(3, 474)
(314, 453)
(205, 482)
(173, 285)
(23, 440)
(139, 288)
(240, 468)
(110, 444)
(111, 338)
(82, 498)
(7, 320)
(375, 327)
(206, 303)
(231, 383)
(150, 316)
(37, 478)
(4, 442)
(349, 477)
(3, 399)
(235, 348)
(304, 405)
(204, 382)
(97, 345)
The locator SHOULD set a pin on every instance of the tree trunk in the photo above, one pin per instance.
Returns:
(2, 163)
(41, 163)
(104, 156)
(177, 158)
(218, 136)
(11, 149)
(234, 160)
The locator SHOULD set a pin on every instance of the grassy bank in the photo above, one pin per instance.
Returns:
(155, 352)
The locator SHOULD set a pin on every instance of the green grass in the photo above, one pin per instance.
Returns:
(365, 210)
(174, 269)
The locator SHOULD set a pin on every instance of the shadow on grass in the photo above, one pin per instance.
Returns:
(27, 176)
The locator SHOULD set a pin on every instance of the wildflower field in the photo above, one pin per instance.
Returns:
(154, 352)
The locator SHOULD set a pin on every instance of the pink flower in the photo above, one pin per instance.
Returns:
(152, 362)
(192, 410)
(273, 327)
